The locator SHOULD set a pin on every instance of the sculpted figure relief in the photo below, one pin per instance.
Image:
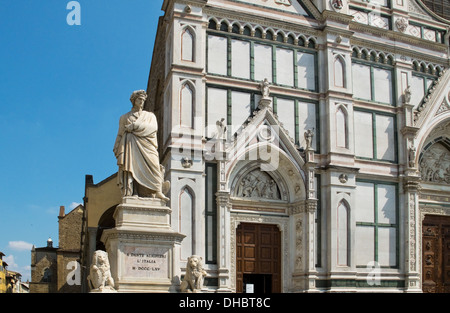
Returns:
(258, 185)
(136, 150)
(195, 274)
(435, 164)
(100, 278)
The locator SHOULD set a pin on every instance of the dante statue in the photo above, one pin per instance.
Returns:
(136, 149)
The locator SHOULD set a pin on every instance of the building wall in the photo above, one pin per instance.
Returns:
(373, 88)
(335, 70)
(2, 275)
(69, 251)
(44, 274)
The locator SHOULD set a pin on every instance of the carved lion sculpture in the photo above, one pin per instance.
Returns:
(195, 274)
(100, 274)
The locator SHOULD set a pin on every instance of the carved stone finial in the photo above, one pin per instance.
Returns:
(195, 275)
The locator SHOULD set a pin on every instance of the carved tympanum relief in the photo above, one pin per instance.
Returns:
(435, 164)
(258, 184)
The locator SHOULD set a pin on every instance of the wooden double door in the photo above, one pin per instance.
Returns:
(436, 254)
(258, 258)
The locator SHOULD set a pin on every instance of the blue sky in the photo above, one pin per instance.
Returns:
(62, 91)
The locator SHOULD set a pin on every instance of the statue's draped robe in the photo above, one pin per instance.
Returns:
(137, 152)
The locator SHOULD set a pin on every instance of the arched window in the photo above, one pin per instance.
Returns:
(339, 72)
(187, 106)
(342, 233)
(187, 221)
(187, 45)
(341, 128)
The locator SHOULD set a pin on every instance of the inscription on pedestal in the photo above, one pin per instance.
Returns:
(146, 262)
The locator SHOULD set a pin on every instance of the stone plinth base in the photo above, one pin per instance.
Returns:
(105, 290)
(142, 247)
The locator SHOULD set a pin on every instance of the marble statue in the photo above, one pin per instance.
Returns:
(265, 88)
(195, 274)
(407, 95)
(100, 278)
(412, 156)
(136, 149)
(221, 129)
(309, 134)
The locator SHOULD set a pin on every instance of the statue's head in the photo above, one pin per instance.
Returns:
(100, 258)
(140, 95)
(195, 261)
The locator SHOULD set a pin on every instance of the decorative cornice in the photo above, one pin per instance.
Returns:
(149, 236)
(337, 17)
(394, 49)
(398, 37)
(263, 21)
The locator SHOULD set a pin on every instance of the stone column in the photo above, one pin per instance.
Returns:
(223, 241)
(92, 231)
(304, 273)
(310, 211)
(412, 235)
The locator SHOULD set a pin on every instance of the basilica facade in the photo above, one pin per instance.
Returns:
(306, 142)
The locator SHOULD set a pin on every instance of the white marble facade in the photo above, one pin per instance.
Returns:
(348, 207)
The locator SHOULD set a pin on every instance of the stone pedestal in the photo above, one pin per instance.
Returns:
(143, 249)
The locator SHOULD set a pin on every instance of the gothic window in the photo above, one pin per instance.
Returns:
(341, 128)
(187, 106)
(187, 45)
(342, 233)
(339, 72)
(187, 221)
